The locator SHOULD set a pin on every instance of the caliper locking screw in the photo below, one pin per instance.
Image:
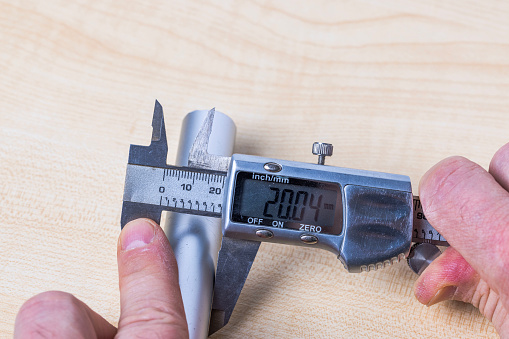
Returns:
(323, 150)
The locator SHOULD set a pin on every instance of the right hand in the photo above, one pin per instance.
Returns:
(470, 208)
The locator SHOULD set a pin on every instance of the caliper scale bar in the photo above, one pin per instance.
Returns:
(200, 192)
(176, 189)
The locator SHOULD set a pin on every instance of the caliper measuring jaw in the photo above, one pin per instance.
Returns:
(153, 155)
(195, 239)
(224, 205)
(236, 256)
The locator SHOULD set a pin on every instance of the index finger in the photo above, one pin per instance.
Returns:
(471, 210)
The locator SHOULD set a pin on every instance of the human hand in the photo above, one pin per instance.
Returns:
(470, 208)
(150, 301)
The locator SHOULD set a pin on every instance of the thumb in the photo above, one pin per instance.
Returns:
(470, 209)
(150, 300)
(450, 277)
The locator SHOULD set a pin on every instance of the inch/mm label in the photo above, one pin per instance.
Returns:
(176, 189)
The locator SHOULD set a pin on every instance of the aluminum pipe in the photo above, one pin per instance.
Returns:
(196, 240)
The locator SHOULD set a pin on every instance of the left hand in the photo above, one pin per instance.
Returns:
(150, 301)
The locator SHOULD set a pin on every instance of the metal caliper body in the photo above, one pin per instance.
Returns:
(367, 219)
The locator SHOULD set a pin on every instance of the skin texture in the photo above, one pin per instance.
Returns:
(150, 301)
(469, 206)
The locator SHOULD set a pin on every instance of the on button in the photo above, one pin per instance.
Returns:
(265, 234)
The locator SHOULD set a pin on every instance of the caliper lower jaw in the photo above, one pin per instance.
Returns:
(233, 264)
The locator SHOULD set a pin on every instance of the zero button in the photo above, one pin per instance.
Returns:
(308, 239)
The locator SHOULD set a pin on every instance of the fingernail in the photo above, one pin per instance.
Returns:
(137, 233)
(445, 293)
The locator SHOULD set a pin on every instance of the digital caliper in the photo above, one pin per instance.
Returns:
(367, 219)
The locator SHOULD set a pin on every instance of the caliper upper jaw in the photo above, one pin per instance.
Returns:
(156, 153)
(199, 156)
(153, 155)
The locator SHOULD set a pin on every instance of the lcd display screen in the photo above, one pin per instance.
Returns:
(294, 203)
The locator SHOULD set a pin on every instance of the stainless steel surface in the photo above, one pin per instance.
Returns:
(196, 239)
(376, 232)
(323, 150)
(386, 214)
(421, 256)
(379, 225)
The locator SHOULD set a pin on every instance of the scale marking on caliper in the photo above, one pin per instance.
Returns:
(176, 189)
(368, 219)
(423, 232)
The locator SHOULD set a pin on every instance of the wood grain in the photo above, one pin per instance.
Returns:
(396, 86)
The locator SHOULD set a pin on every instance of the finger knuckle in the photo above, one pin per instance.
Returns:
(55, 300)
(486, 300)
(32, 317)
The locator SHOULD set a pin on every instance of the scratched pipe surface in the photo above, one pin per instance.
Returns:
(196, 240)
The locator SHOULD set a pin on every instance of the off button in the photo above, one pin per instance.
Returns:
(308, 239)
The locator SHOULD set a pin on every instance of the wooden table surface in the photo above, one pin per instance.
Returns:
(395, 85)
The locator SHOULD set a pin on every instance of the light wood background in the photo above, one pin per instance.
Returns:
(395, 85)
